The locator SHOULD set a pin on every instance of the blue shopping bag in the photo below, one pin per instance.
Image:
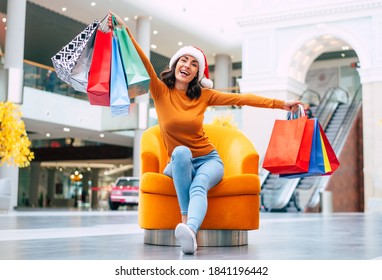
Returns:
(135, 71)
(316, 161)
(119, 97)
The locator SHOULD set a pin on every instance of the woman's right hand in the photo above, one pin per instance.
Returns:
(119, 20)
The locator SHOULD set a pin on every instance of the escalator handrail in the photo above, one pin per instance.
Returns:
(338, 142)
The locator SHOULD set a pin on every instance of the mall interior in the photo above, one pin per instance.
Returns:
(327, 54)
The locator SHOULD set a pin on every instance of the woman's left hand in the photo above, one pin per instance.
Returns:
(291, 105)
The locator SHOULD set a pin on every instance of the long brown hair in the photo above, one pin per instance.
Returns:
(168, 77)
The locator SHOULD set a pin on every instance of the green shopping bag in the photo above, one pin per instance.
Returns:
(137, 77)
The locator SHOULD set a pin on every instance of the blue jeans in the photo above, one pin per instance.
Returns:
(193, 177)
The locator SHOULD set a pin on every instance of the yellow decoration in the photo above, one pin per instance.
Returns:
(226, 120)
(14, 142)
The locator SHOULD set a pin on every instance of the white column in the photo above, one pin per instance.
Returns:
(222, 72)
(14, 49)
(372, 145)
(13, 63)
(143, 38)
(13, 174)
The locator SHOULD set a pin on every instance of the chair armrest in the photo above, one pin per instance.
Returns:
(250, 164)
(152, 151)
(149, 162)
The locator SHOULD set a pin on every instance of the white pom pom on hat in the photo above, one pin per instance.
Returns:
(203, 76)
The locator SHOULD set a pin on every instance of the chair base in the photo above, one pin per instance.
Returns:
(205, 238)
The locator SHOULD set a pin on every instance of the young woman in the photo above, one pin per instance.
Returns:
(181, 96)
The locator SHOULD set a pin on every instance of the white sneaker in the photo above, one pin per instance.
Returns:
(186, 238)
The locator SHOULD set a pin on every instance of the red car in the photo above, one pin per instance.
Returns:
(124, 192)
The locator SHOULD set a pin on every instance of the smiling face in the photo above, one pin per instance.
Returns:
(185, 71)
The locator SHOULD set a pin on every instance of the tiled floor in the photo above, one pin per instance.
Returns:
(107, 235)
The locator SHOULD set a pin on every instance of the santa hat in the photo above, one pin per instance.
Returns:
(203, 76)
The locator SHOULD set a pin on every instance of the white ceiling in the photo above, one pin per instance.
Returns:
(210, 25)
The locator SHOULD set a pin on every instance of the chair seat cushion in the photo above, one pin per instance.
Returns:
(232, 204)
(245, 184)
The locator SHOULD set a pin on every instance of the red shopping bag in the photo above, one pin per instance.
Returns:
(98, 88)
(290, 146)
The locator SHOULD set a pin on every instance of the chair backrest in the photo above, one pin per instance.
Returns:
(235, 149)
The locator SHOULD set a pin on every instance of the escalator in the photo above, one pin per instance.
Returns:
(335, 114)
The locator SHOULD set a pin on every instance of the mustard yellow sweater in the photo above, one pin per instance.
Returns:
(181, 119)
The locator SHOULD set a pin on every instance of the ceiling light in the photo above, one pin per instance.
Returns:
(126, 19)
(92, 4)
(47, 134)
(63, 9)
(4, 19)
(345, 48)
(153, 46)
(66, 129)
(180, 43)
(155, 32)
(102, 135)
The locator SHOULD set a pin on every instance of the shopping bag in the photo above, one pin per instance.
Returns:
(332, 159)
(323, 160)
(316, 161)
(289, 146)
(98, 88)
(72, 62)
(137, 77)
(119, 98)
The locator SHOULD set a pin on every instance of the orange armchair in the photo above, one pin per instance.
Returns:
(233, 204)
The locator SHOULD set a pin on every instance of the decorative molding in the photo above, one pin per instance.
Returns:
(309, 12)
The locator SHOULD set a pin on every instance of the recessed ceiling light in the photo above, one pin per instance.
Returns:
(180, 43)
(47, 134)
(126, 19)
(155, 32)
(102, 135)
(4, 19)
(66, 129)
(92, 4)
(153, 46)
(63, 9)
